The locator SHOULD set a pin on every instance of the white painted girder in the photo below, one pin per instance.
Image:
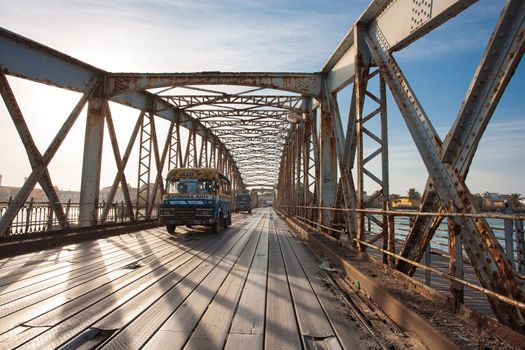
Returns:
(398, 23)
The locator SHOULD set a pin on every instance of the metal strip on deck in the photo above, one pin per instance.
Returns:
(247, 329)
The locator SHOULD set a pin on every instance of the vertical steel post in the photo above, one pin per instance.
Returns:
(360, 82)
(92, 163)
(507, 224)
(520, 245)
(328, 160)
(297, 156)
(306, 169)
(174, 151)
(144, 173)
(385, 167)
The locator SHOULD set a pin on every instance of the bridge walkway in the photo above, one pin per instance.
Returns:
(251, 286)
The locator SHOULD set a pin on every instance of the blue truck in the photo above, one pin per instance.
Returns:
(243, 203)
(196, 196)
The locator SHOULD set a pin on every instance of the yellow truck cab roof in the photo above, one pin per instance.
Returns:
(196, 173)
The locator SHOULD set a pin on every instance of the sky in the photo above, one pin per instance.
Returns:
(237, 35)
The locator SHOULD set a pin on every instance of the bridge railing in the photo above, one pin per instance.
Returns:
(38, 217)
(507, 227)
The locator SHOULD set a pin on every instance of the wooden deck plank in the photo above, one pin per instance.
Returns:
(281, 330)
(245, 341)
(178, 327)
(233, 290)
(137, 333)
(212, 329)
(56, 252)
(197, 302)
(16, 281)
(79, 313)
(250, 315)
(227, 241)
(310, 314)
(49, 298)
(67, 253)
(28, 295)
(348, 336)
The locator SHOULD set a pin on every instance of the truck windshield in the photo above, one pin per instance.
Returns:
(190, 186)
(242, 198)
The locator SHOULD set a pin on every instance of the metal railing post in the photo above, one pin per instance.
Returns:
(520, 243)
(428, 262)
(456, 259)
(49, 217)
(391, 237)
(507, 224)
(28, 215)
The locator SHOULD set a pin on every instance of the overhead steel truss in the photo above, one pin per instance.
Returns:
(290, 103)
(243, 115)
(292, 137)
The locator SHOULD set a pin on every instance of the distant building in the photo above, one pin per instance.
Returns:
(38, 195)
(66, 195)
(119, 195)
(491, 195)
(9, 192)
(404, 202)
(495, 201)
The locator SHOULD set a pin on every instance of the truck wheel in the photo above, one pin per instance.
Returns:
(171, 228)
(226, 223)
(249, 211)
(218, 225)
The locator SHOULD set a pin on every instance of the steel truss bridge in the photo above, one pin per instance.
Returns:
(283, 131)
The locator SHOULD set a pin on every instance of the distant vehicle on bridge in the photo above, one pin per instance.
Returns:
(196, 196)
(243, 203)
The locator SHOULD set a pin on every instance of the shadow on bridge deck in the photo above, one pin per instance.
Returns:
(251, 286)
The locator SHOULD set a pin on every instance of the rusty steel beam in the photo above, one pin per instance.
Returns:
(302, 83)
(248, 141)
(328, 160)
(27, 59)
(497, 65)
(488, 260)
(32, 151)
(121, 163)
(260, 125)
(160, 161)
(48, 155)
(18, 54)
(290, 103)
(259, 132)
(254, 114)
(399, 22)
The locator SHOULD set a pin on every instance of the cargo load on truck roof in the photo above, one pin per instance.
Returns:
(196, 173)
